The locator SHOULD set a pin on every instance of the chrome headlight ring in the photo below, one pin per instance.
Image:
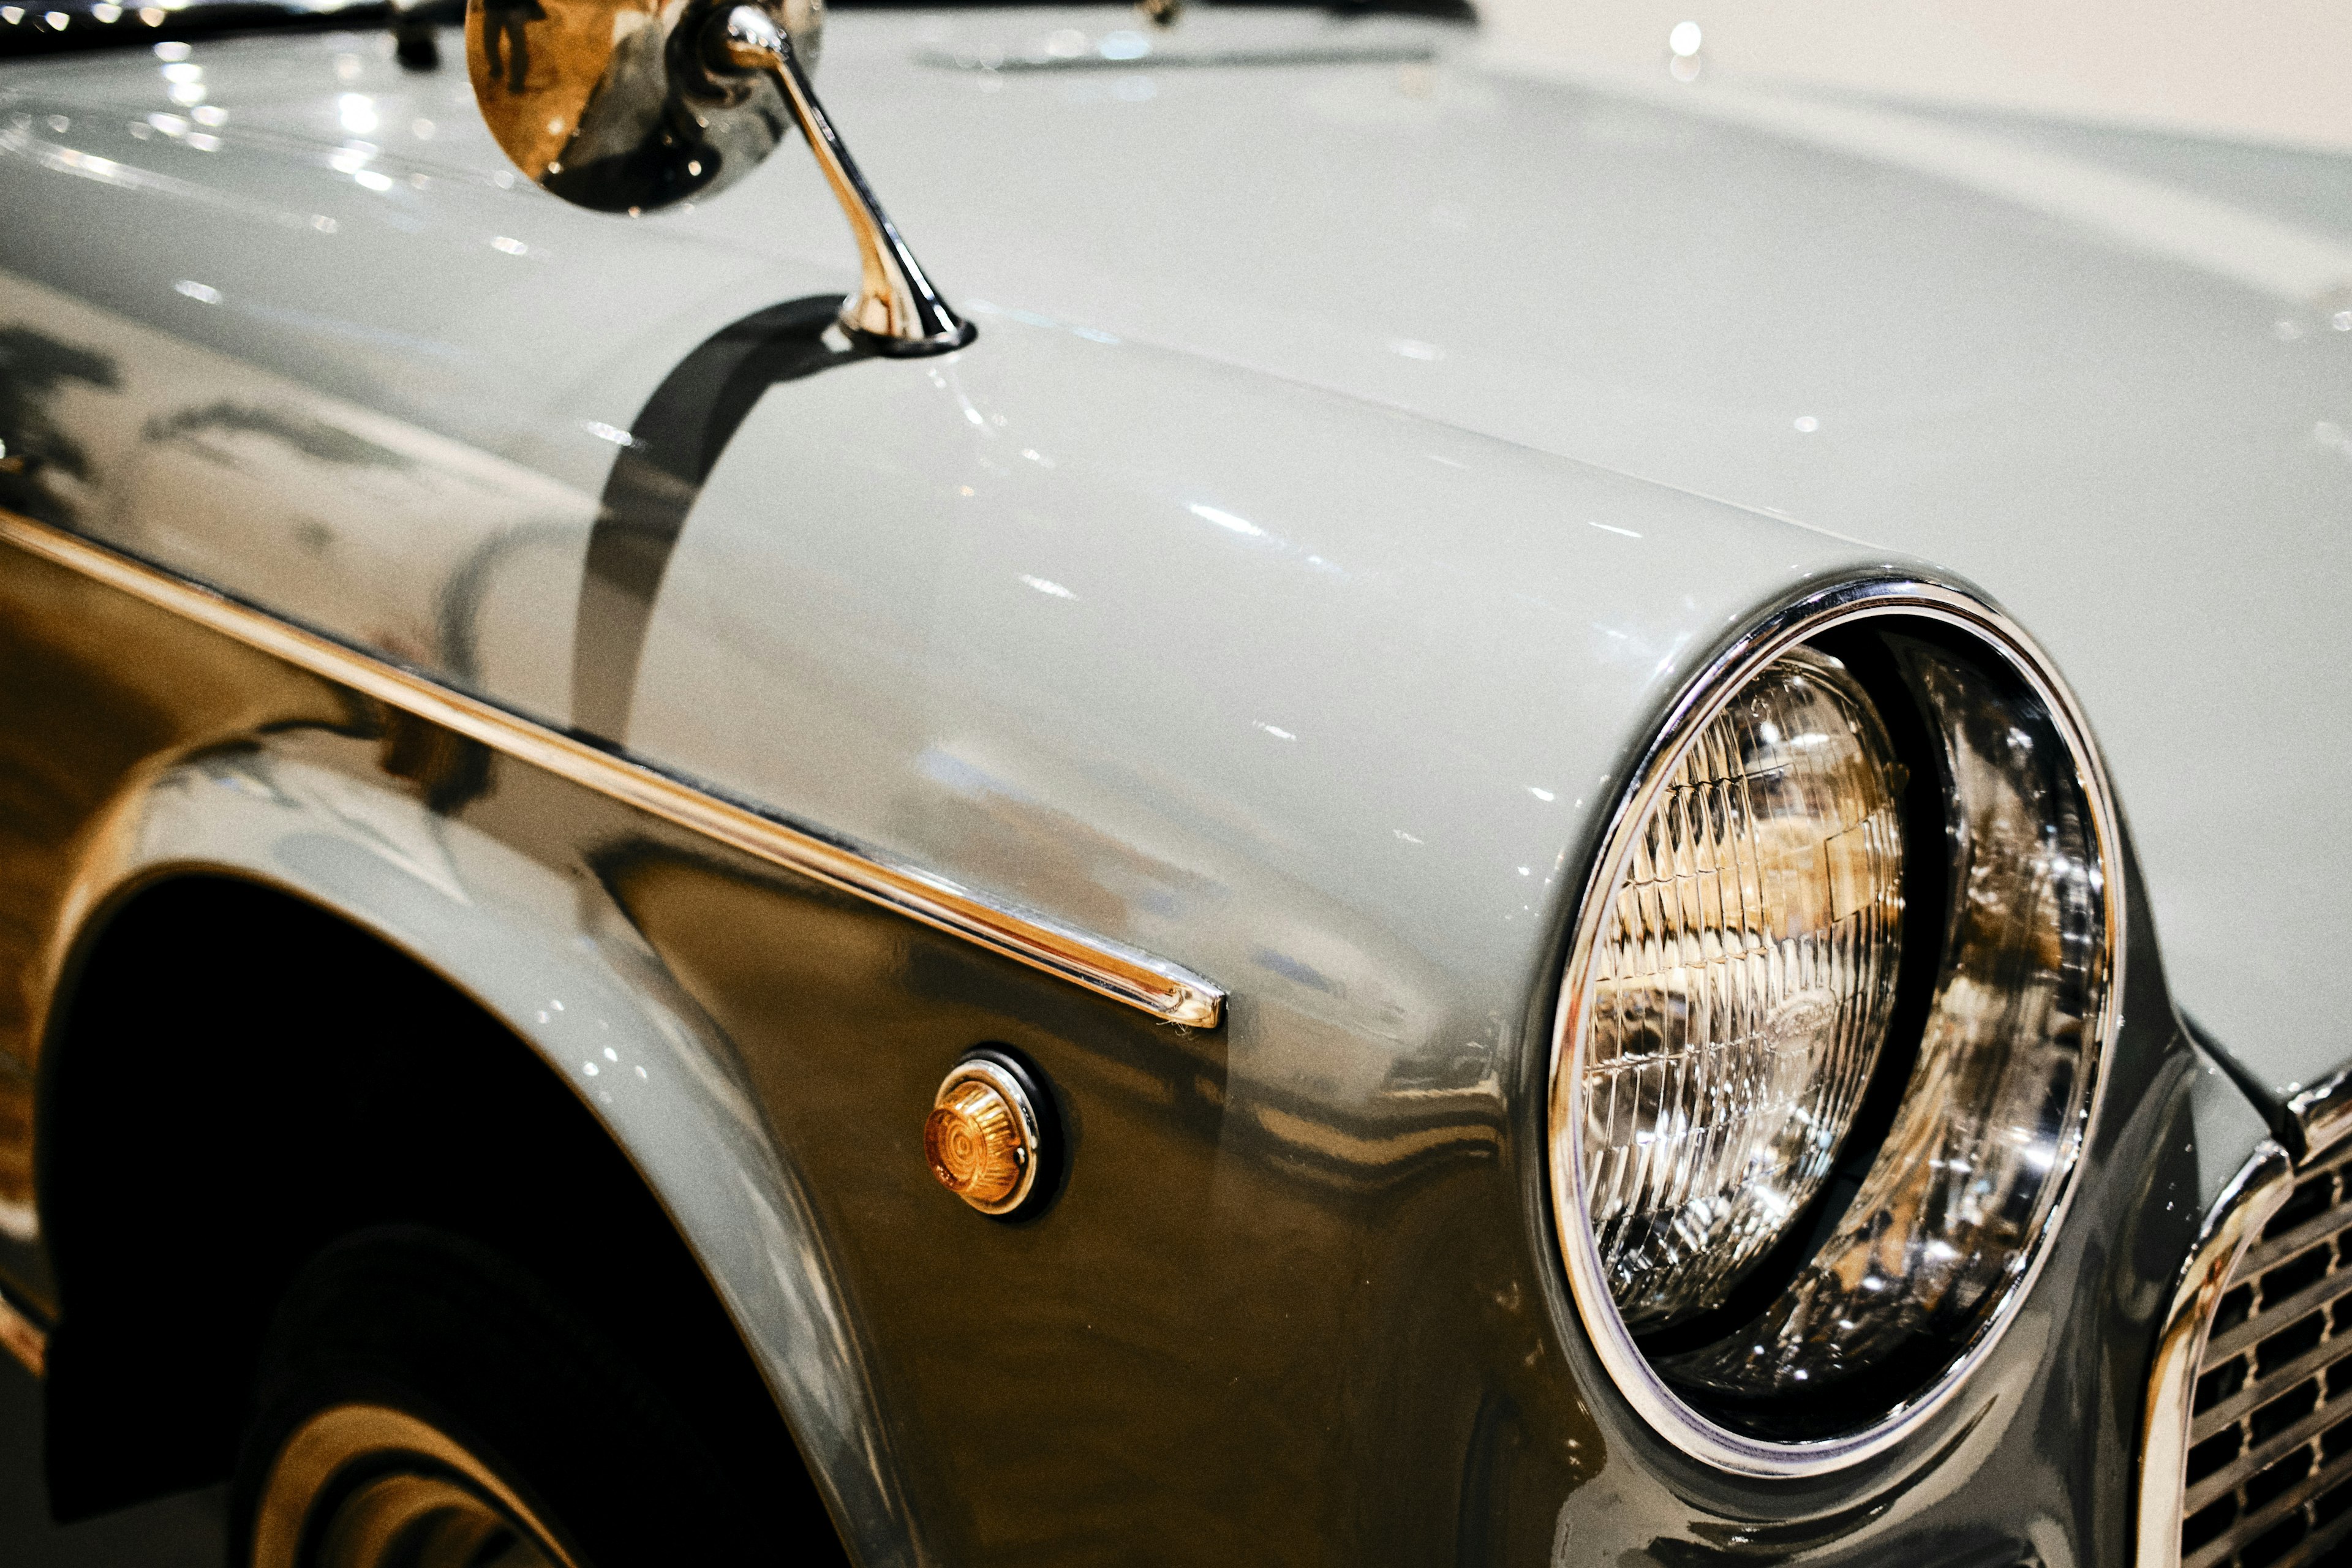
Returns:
(1677, 1389)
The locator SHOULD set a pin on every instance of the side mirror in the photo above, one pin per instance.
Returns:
(626, 106)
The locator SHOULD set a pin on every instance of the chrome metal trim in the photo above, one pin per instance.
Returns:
(1110, 969)
(2245, 1206)
(2322, 1119)
(23, 1338)
(2322, 1114)
(1840, 603)
(896, 311)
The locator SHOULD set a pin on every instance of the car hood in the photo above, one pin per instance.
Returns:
(2104, 372)
(2099, 372)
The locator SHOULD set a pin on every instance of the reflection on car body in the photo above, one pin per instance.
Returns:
(569, 764)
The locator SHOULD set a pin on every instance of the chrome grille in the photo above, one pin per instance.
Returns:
(2269, 1477)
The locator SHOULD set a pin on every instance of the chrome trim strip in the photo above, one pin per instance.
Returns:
(2245, 1206)
(1152, 986)
(23, 1338)
(1765, 639)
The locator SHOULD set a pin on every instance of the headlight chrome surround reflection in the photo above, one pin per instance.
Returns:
(1977, 1306)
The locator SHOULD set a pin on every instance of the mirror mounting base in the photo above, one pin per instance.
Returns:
(896, 311)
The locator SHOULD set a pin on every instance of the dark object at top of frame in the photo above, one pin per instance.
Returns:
(47, 28)
(51, 27)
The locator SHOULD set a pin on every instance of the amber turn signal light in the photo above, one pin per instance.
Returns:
(983, 1138)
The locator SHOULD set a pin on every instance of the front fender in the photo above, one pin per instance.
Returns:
(540, 948)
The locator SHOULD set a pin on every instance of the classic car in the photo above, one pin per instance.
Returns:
(1449, 810)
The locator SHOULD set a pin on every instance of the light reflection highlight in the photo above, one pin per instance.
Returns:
(1226, 520)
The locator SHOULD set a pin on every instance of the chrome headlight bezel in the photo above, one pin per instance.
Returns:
(1991, 633)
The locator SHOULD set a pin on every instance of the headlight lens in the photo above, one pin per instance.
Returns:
(1741, 987)
(1830, 1040)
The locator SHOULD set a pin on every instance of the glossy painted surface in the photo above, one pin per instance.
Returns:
(1245, 655)
(2054, 361)
(1259, 1319)
(2098, 373)
(1236, 596)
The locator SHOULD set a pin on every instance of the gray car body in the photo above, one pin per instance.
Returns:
(1354, 462)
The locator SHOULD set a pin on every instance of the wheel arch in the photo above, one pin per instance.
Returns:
(488, 941)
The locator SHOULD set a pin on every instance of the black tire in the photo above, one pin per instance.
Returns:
(457, 1337)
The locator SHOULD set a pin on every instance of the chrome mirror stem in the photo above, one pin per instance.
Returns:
(896, 311)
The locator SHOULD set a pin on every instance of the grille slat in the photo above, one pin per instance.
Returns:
(2335, 1528)
(2247, 1465)
(2269, 1455)
(2267, 1251)
(2269, 1320)
(2253, 1526)
(2228, 1411)
(2266, 1452)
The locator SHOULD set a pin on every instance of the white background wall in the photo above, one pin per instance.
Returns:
(2264, 69)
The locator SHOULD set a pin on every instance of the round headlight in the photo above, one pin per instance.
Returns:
(1829, 1036)
(1741, 986)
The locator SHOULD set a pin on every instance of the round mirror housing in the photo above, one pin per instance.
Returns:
(606, 103)
(626, 106)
